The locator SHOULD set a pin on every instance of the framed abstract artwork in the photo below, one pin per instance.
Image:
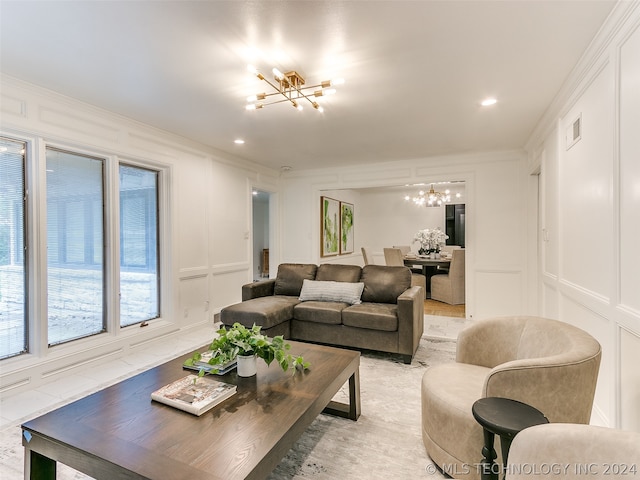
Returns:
(346, 228)
(329, 227)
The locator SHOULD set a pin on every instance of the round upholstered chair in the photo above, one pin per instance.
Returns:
(570, 451)
(550, 365)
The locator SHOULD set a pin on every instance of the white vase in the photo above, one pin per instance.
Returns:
(247, 365)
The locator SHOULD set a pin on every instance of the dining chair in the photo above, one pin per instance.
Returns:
(393, 257)
(448, 249)
(403, 248)
(406, 249)
(367, 255)
(450, 288)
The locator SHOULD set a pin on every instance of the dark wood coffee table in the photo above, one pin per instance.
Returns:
(119, 432)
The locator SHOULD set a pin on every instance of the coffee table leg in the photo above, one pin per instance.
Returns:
(354, 395)
(38, 467)
(352, 410)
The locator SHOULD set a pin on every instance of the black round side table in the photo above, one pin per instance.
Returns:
(506, 418)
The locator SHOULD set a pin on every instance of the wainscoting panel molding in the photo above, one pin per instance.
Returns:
(629, 379)
(78, 123)
(13, 105)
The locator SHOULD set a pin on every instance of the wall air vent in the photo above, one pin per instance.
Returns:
(574, 132)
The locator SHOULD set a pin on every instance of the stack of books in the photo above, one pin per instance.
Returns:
(204, 365)
(194, 394)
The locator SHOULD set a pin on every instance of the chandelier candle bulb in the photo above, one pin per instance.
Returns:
(431, 198)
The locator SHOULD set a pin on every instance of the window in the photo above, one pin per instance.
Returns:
(86, 200)
(13, 315)
(75, 239)
(139, 277)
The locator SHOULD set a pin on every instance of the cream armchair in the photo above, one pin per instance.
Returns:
(548, 364)
(570, 451)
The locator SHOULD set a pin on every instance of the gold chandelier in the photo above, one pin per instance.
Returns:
(291, 87)
(431, 198)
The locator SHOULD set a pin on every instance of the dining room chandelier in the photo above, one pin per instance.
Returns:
(430, 198)
(290, 87)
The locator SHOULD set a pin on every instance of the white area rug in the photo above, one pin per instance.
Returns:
(385, 443)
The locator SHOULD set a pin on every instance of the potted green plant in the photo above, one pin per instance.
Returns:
(245, 344)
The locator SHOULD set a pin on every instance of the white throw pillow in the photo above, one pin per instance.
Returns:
(328, 291)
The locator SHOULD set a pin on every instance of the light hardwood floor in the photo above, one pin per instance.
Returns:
(434, 307)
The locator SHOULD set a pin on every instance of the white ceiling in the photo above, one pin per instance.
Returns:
(415, 71)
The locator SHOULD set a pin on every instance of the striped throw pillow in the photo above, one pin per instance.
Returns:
(329, 291)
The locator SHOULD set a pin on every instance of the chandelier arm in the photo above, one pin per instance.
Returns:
(278, 91)
(286, 99)
(301, 93)
(273, 93)
(311, 86)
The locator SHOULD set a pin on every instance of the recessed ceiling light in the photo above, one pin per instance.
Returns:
(488, 101)
(238, 141)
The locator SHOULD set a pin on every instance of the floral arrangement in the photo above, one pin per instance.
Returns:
(430, 240)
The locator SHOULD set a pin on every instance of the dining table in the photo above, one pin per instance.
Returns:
(429, 265)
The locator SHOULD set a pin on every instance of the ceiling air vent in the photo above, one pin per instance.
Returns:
(574, 132)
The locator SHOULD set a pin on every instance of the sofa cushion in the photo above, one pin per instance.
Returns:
(374, 316)
(338, 273)
(329, 291)
(384, 284)
(290, 277)
(320, 312)
(264, 311)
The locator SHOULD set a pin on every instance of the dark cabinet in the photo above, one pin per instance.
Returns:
(454, 224)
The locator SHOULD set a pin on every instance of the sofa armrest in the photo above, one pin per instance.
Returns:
(258, 289)
(410, 321)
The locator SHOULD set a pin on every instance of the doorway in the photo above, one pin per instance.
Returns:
(260, 213)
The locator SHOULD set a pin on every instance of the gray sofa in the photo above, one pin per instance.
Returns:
(323, 304)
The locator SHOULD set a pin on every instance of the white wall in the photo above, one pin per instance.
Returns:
(402, 218)
(590, 210)
(401, 221)
(207, 253)
(496, 220)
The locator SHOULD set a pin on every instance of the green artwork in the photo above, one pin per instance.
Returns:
(330, 226)
(346, 231)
